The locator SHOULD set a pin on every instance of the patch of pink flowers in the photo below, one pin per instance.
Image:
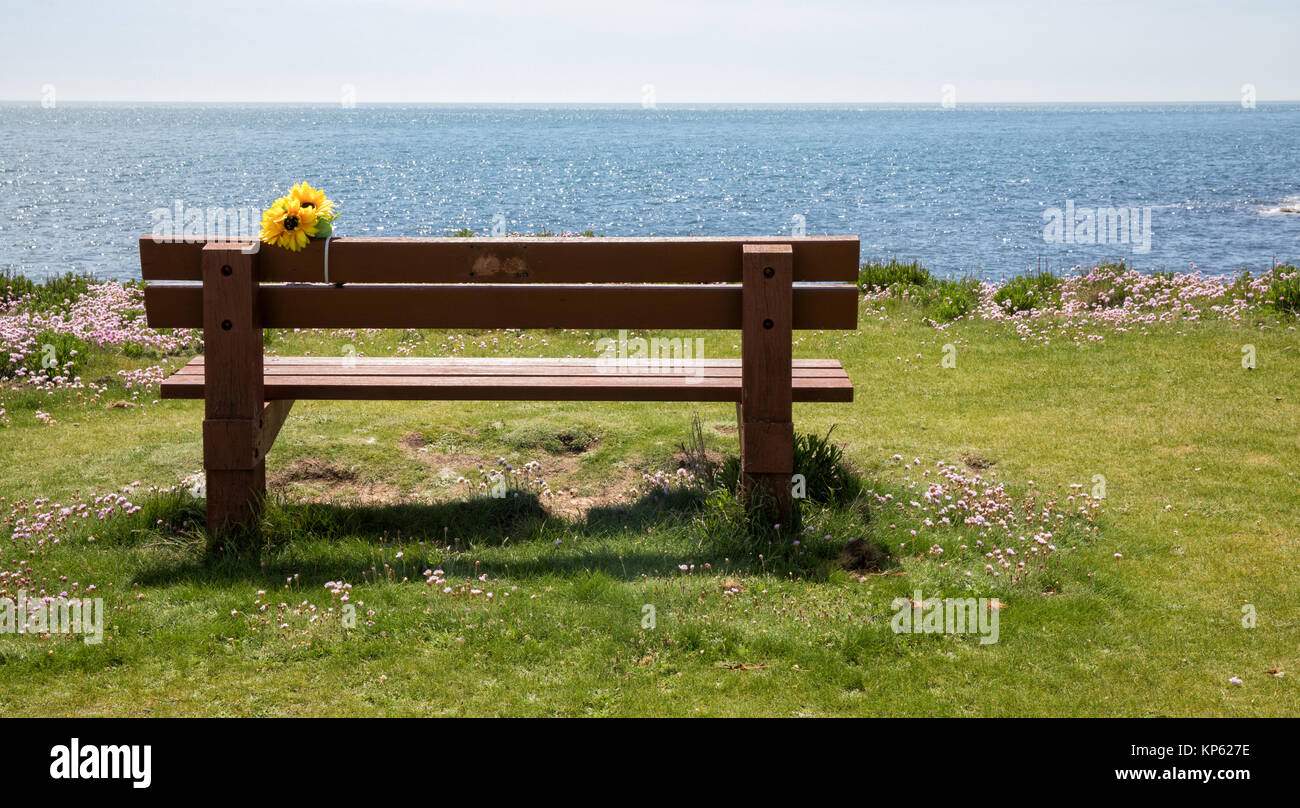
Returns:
(664, 481)
(34, 527)
(479, 587)
(108, 314)
(38, 522)
(1115, 299)
(997, 533)
(291, 619)
(510, 480)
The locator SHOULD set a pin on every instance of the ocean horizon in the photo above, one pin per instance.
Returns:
(979, 190)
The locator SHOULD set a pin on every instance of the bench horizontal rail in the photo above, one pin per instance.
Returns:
(523, 363)
(814, 380)
(513, 260)
(823, 306)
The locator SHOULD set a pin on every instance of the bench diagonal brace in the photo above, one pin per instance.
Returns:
(240, 443)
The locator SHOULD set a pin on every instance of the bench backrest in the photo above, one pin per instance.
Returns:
(635, 283)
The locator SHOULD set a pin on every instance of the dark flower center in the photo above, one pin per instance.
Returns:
(291, 223)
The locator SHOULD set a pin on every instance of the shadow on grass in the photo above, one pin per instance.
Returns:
(519, 517)
(326, 530)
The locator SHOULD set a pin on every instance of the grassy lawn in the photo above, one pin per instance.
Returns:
(1196, 455)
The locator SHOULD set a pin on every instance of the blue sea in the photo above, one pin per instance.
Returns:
(967, 191)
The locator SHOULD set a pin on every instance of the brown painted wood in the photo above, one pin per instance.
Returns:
(828, 306)
(740, 424)
(495, 361)
(229, 444)
(177, 386)
(233, 499)
(242, 443)
(513, 379)
(232, 334)
(535, 368)
(248, 396)
(767, 446)
(233, 398)
(516, 260)
(766, 349)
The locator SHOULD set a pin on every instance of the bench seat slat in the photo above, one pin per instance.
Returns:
(475, 361)
(462, 379)
(728, 368)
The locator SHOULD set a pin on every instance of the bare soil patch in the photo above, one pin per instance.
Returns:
(572, 493)
(310, 479)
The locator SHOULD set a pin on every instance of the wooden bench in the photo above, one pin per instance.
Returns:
(765, 287)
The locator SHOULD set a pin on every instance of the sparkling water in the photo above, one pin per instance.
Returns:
(968, 191)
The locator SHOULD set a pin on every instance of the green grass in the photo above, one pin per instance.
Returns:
(1202, 501)
(876, 275)
(1284, 291)
(46, 295)
(942, 299)
(1027, 292)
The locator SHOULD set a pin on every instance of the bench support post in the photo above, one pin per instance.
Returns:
(765, 414)
(234, 463)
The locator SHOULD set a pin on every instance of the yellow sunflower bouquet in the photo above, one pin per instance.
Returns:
(299, 216)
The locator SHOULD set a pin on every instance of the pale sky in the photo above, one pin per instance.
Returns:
(574, 51)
